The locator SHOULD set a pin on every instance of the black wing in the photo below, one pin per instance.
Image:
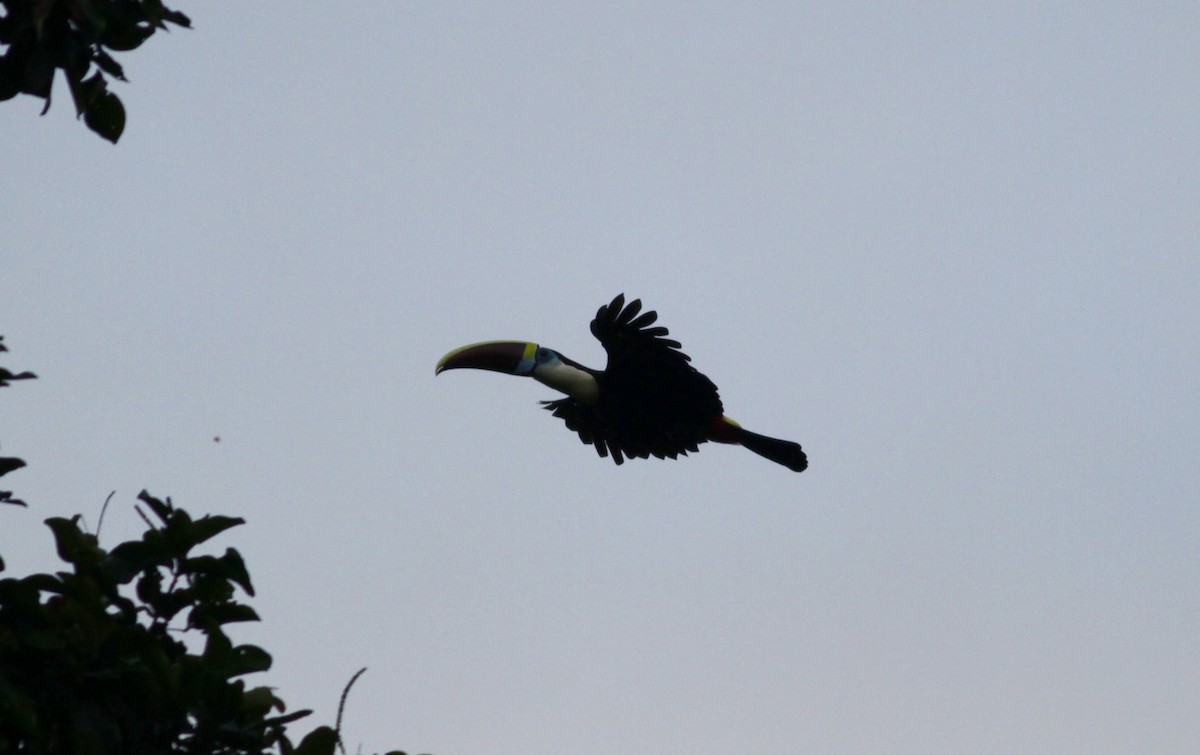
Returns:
(652, 401)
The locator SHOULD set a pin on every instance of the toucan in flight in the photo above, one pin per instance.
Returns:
(648, 402)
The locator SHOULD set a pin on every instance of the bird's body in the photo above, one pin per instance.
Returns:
(648, 401)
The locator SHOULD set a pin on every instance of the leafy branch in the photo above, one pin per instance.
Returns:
(8, 464)
(77, 37)
(87, 668)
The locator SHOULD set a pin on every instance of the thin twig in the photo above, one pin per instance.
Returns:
(145, 518)
(103, 509)
(342, 706)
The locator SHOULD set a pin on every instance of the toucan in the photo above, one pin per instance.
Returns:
(648, 401)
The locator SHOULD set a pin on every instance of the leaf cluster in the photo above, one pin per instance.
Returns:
(77, 37)
(9, 463)
(87, 668)
(126, 651)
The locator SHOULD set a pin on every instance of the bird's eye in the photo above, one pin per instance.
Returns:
(543, 354)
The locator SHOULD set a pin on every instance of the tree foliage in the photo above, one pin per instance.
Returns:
(126, 650)
(79, 38)
(87, 669)
(8, 463)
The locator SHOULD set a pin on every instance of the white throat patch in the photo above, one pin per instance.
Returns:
(570, 380)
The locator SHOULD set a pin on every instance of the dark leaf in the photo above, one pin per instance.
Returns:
(319, 741)
(177, 18)
(145, 556)
(218, 651)
(149, 591)
(180, 533)
(207, 615)
(235, 569)
(6, 497)
(74, 545)
(124, 37)
(38, 75)
(5, 376)
(85, 91)
(260, 701)
(232, 612)
(139, 555)
(106, 116)
(162, 509)
(287, 718)
(251, 659)
(207, 527)
(109, 65)
(42, 583)
(203, 566)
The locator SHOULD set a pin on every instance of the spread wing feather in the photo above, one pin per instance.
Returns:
(652, 401)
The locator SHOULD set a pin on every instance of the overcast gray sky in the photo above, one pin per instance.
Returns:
(951, 248)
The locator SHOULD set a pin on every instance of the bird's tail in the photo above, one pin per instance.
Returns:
(783, 452)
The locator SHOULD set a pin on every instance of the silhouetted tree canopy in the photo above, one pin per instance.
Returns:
(77, 37)
(125, 650)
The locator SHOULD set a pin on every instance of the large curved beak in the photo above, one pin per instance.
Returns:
(511, 357)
